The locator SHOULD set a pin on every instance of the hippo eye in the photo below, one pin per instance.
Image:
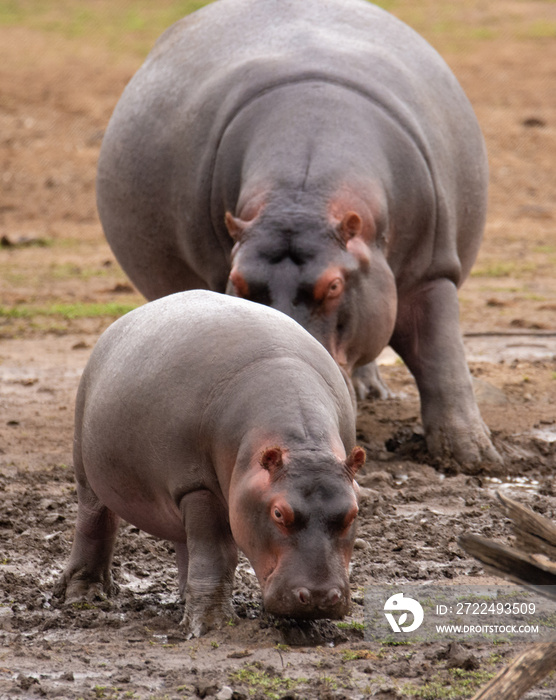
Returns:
(283, 515)
(335, 288)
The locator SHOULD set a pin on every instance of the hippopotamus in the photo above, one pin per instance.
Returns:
(217, 423)
(318, 157)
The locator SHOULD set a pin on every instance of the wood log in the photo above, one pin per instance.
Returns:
(533, 532)
(512, 565)
(525, 671)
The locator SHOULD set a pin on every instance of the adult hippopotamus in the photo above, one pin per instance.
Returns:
(215, 422)
(318, 157)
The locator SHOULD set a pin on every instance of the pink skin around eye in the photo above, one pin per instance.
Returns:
(330, 285)
(241, 286)
(282, 514)
(350, 517)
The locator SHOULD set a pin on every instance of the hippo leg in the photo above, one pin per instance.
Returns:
(87, 575)
(368, 383)
(206, 564)
(428, 338)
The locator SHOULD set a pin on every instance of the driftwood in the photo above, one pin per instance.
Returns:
(532, 569)
(512, 565)
(533, 532)
(534, 535)
(522, 674)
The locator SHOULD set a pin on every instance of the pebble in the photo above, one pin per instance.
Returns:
(225, 693)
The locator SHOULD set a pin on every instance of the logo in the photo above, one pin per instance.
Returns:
(397, 603)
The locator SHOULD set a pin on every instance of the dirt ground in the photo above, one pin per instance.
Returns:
(60, 286)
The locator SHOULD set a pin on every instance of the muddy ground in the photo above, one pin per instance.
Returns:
(60, 286)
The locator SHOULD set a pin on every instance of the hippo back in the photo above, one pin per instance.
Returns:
(162, 143)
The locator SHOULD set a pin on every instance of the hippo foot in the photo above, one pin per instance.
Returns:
(368, 383)
(197, 622)
(468, 443)
(77, 588)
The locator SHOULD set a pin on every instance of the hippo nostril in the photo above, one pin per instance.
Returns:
(334, 597)
(303, 595)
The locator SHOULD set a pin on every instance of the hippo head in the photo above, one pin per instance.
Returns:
(323, 264)
(293, 515)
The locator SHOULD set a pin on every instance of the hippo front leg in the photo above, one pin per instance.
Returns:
(206, 563)
(428, 338)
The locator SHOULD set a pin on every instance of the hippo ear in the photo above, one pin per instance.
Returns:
(355, 461)
(236, 227)
(272, 460)
(350, 226)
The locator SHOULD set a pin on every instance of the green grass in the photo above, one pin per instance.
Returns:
(459, 684)
(351, 625)
(259, 682)
(504, 269)
(67, 311)
(126, 24)
(541, 29)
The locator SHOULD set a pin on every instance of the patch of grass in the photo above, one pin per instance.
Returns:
(541, 29)
(545, 249)
(127, 24)
(389, 5)
(353, 625)
(357, 654)
(259, 681)
(504, 269)
(67, 311)
(484, 33)
(391, 642)
(63, 271)
(454, 685)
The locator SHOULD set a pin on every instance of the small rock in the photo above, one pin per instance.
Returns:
(225, 693)
(120, 288)
(239, 695)
(122, 678)
(239, 654)
(53, 518)
(25, 682)
(205, 688)
(534, 122)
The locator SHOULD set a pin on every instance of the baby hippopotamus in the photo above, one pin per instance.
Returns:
(218, 423)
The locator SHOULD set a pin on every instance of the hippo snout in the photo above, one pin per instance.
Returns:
(309, 602)
(323, 600)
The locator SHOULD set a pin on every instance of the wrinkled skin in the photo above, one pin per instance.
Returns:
(217, 423)
(328, 165)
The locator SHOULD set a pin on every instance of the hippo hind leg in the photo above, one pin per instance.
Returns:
(428, 338)
(87, 575)
(206, 564)
(368, 384)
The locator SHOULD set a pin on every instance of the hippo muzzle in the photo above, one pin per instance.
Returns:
(303, 598)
